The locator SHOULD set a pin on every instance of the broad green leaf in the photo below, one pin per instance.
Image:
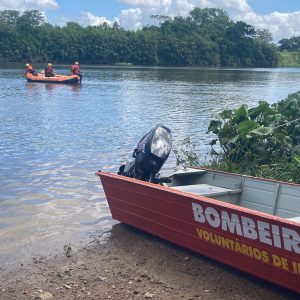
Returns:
(226, 114)
(241, 114)
(256, 111)
(288, 141)
(262, 131)
(246, 126)
(226, 131)
(214, 126)
(296, 158)
(233, 140)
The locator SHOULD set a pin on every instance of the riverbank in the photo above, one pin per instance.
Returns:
(289, 59)
(130, 264)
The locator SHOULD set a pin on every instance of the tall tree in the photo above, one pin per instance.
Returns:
(206, 37)
(9, 17)
(30, 18)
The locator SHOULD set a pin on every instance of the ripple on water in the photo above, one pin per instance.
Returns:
(53, 138)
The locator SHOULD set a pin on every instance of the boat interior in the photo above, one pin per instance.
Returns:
(271, 197)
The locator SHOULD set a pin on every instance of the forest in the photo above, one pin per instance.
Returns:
(206, 37)
(291, 44)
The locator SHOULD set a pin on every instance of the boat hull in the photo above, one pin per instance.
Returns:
(254, 242)
(72, 79)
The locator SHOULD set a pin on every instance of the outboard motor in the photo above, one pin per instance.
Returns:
(150, 154)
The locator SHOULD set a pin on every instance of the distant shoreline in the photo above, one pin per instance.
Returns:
(21, 65)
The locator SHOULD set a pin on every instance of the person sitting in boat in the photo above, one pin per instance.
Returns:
(30, 70)
(49, 72)
(76, 70)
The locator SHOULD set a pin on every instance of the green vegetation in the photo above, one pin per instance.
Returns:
(291, 44)
(289, 52)
(206, 37)
(289, 59)
(262, 141)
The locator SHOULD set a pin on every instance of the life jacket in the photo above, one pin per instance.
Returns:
(49, 72)
(75, 69)
(29, 69)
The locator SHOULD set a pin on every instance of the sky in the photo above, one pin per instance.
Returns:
(281, 17)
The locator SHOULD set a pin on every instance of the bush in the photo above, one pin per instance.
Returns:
(262, 141)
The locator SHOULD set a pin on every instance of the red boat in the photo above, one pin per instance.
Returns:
(249, 223)
(63, 79)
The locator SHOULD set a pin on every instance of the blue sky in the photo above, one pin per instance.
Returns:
(281, 17)
(110, 9)
(268, 6)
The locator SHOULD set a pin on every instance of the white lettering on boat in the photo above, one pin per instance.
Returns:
(270, 234)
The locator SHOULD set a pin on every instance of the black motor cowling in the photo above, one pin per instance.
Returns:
(150, 154)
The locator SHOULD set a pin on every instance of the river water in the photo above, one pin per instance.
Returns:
(54, 137)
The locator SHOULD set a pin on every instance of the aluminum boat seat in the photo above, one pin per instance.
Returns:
(207, 190)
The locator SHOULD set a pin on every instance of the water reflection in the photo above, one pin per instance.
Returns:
(54, 137)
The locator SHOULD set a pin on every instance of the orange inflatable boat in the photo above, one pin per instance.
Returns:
(71, 79)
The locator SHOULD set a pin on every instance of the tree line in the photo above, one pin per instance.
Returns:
(291, 44)
(206, 37)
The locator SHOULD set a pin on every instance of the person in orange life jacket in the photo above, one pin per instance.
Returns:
(49, 72)
(30, 69)
(76, 70)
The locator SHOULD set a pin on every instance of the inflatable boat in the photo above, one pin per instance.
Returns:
(41, 78)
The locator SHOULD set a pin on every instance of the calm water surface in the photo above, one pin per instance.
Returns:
(54, 137)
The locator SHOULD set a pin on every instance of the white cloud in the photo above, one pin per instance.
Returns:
(145, 8)
(131, 18)
(174, 7)
(134, 18)
(280, 24)
(146, 3)
(28, 4)
(87, 18)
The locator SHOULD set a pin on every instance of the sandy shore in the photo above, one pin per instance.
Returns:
(130, 264)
